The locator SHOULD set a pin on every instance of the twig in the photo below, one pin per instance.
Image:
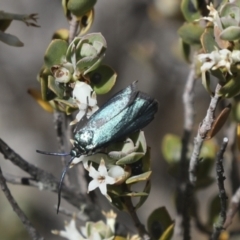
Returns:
(201, 135)
(183, 205)
(27, 224)
(58, 119)
(132, 211)
(47, 181)
(218, 226)
(234, 174)
(188, 97)
(233, 209)
(73, 28)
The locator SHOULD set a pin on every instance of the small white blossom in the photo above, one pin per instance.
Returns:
(70, 232)
(216, 59)
(110, 219)
(61, 74)
(100, 179)
(213, 16)
(85, 99)
(84, 159)
(91, 231)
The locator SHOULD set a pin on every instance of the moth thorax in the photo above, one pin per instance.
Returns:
(83, 139)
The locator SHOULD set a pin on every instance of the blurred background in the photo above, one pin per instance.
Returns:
(142, 45)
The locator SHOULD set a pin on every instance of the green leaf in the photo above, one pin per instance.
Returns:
(231, 88)
(208, 41)
(158, 222)
(230, 10)
(191, 33)
(55, 53)
(55, 87)
(130, 158)
(80, 7)
(209, 149)
(186, 50)
(206, 82)
(230, 34)
(142, 199)
(189, 10)
(95, 37)
(102, 79)
(10, 39)
(171, 148)
(141, 177)
(168, 233)
(146, 161)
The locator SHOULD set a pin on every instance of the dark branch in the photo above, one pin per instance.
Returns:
(46, 181)
(27, 224)
(218, 226)
(183, 188)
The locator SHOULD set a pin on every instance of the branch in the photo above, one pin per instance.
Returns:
(73, 28)
(46, 181)
(183, 188)
(234, 174)
(132, 212)
(233, 209)
(29, 20)
(201, 135)
(218, 227)
(58, 120)
(188, 97)
(27, 224)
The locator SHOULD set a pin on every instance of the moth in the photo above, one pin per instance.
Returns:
(126, 112)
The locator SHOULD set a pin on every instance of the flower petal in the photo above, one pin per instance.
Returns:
(103, 188)
(93, 172)
(93, 185)
(109, 180)
(102, 168)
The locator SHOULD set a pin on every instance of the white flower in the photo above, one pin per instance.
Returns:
(217, 59)
(85, 99)
(110, 219)
(61, 74)
(213, 17)
(83, 158)
(91, 231)
(100, 179)
(70, 231)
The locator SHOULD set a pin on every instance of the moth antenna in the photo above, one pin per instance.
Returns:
(61, 182)
(53, 154)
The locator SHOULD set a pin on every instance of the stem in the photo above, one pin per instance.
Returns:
(201, 135)
(218, 227)
(27, 224)
(132, 211)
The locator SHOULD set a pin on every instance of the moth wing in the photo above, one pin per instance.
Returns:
(112, 107)
(132, 118)
(137, 116)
